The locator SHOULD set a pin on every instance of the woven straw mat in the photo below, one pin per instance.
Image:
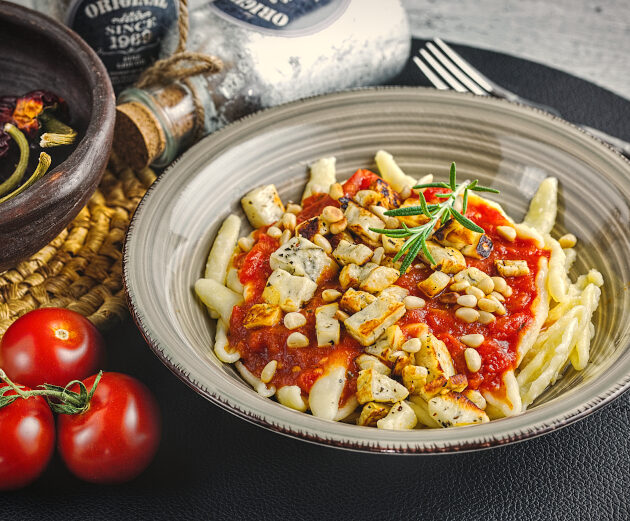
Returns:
(81, 269)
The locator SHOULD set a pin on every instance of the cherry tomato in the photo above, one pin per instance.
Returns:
(51, 345)
(117, 437)
(27, 429)
(360, 180)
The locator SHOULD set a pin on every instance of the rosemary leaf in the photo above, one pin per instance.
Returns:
(465, 202)
(479, 188)
(452, 178)
(432, 185)
(411, 254)
(465, 221)
(406, 210)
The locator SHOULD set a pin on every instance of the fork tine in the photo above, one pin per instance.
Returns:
(437, 82)
(464, 65)
(444, 74)
(458, 73)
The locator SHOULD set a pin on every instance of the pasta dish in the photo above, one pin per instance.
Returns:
(398, 303)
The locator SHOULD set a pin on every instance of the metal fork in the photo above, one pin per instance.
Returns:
(446, 70)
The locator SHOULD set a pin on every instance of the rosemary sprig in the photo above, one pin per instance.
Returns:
(436, 213)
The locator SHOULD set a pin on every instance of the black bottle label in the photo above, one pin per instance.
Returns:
(290, 17)
(126, 34)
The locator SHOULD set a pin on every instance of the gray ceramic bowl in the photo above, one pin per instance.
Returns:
(506, 146)
(36, 53)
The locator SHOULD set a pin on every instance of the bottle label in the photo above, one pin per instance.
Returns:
(290, 17)
(126, 34)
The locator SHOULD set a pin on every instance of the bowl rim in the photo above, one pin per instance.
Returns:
(98, 133)
(402, 447)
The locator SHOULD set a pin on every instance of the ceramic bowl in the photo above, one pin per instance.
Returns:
(506, 146)
(38, 53)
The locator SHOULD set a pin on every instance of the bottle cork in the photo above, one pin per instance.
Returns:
(138, 135)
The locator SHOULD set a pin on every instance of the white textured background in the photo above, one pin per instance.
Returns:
(587, 38)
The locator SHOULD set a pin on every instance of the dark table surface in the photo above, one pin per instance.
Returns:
(211, 465)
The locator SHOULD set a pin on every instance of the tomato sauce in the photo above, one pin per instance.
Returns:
(303, 366)
(499, 350)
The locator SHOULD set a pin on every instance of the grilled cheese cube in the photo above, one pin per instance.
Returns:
(388, 196)
(456, 235)
(435, 357)
(301, 257)
(288, 291)
(391, 244)
(370, 323)
(376, 387)
(414, 378)
(351, 275)
(433, 387)
(457, 383)
(354, 301)
(454, 410)
(447, 260)
(434, 283)
(326, 325)
(371, 413)
(471, 275)
(512, 268)
(262, 206)
(348, 253)
(366, 361)
(311, 227)
(360, 221)
(400, 359)
(367, 198)
(394, 293)
(261, 315)
(378, 279)
(399, 418)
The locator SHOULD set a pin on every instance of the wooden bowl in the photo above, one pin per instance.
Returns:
(37, 52)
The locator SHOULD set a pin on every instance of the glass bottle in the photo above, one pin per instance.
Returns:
(273, 51)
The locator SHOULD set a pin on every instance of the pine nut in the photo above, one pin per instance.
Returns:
(268, 372)
(568, 240)
(486, 318)
(412, 302)
(508, 291)
(500, 309)
(330, 295)
(507, 232)
(286, 236)
(476, 292)
(274, 232)
(449, 298)
(341, 315)
(474, 340)
(486, 285)
(499, 284)
(246, 243)
(293, 320)
(459, 286)
(336, 191)
(377, 256)
(467, 314)
(332, 214)
(293, 208)
(469, 301)
(412, 345)
(297, 340)
(496, 295)
(489, 305)
(406, 192)
(339, 226)
(473, 359)
(322, 242)
(289, 221)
